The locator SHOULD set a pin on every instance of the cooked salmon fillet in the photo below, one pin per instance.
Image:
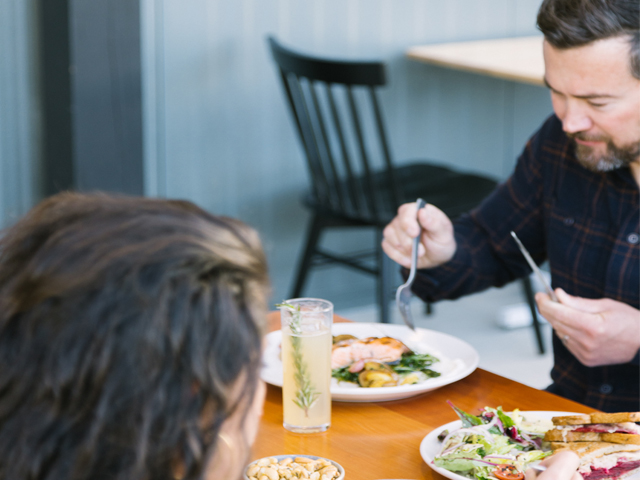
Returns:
(385, 349)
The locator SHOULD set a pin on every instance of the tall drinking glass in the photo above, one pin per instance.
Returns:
(306, 362)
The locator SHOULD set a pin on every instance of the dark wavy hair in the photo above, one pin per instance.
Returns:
(574, 23)
(122, 320)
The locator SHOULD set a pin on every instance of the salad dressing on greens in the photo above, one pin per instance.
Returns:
(492, 446)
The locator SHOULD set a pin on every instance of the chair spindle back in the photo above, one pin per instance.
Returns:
(338, 117)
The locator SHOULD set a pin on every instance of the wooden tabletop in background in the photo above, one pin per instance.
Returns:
(518, 59)
(382, 440)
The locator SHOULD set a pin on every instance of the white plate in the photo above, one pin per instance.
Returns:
(430, 446)
(457, 360)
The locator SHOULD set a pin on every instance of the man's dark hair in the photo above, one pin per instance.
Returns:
(574, 23)
(126, 326)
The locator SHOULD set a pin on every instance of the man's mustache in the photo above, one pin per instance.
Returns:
(588, 138)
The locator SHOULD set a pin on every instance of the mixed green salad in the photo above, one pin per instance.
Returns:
(493, 445)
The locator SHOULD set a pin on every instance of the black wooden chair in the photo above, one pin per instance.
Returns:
(354, 181)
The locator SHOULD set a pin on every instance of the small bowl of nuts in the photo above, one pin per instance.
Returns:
(294, 467)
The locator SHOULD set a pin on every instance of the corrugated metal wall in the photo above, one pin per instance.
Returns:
(19, 131)
(216, 128)
(218, 131)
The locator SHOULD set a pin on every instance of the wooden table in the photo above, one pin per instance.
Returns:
(382, 440)
(518, 59)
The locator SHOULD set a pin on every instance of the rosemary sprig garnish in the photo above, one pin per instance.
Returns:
(306, 396)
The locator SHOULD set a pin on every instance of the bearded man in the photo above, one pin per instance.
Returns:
(573, 200)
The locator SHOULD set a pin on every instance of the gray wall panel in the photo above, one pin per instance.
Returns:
(106, 95)
(19, 132)
(224, 138)
(216, 130)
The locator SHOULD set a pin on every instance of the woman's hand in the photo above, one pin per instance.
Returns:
(560, 466)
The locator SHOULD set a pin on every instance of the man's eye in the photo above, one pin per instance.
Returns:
(597, 104)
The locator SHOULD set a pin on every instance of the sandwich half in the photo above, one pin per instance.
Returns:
(596, 427)
(603, 460)
(608, 444)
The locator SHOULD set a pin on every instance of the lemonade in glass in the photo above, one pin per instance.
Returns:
(306, 363)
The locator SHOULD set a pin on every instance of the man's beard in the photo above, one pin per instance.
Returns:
(614, 158)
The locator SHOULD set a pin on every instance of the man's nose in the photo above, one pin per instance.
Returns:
(575, 118)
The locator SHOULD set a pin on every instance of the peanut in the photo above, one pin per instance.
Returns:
(330, 470)
(304, 473)
(271, 473)
(253, 470)
(304, 460)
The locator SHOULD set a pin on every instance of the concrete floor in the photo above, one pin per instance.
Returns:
(479, 320)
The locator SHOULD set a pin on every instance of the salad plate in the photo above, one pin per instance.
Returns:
(457, 359)
(430, 445)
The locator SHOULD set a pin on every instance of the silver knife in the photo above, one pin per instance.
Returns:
(535, 268)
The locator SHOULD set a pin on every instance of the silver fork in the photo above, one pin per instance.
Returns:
(403, 294)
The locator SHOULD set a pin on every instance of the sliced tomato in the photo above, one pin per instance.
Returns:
(508, 472)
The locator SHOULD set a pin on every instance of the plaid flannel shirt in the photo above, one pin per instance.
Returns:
(585, 224)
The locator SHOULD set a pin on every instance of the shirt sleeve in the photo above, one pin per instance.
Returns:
(636, 359)
(486, 254)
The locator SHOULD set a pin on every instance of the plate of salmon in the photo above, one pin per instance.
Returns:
(373, 362)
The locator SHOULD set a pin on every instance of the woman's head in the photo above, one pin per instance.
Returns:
(128, 329)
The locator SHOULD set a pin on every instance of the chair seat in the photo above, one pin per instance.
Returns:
(451, 191)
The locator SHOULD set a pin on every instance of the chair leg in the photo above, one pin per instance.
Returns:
(385, 281)
(528, 290)
(304, 264)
